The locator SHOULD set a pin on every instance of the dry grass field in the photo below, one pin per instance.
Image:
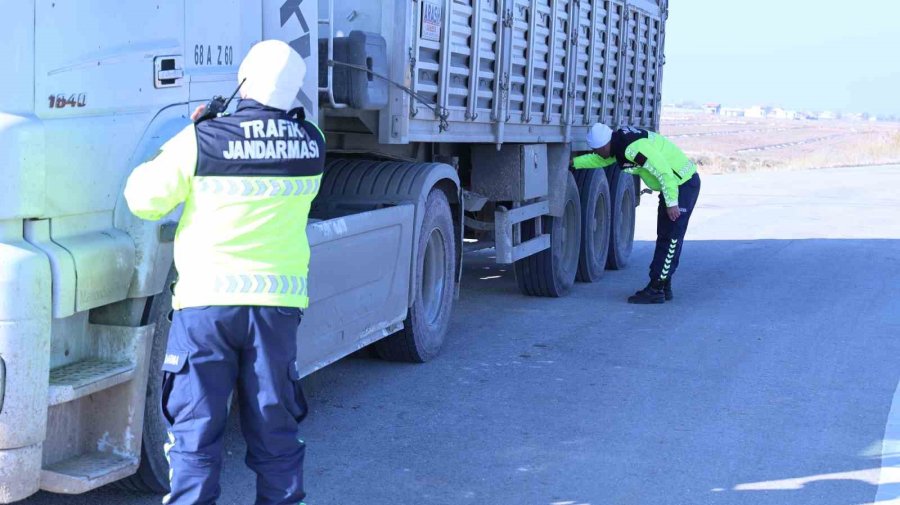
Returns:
(722, 145)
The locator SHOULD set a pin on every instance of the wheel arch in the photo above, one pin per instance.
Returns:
(451, 190)
(358, 183)
(153, 240)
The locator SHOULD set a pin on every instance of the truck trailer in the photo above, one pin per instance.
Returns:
(450, 127)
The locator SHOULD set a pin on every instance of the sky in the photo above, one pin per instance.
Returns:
(797, 54)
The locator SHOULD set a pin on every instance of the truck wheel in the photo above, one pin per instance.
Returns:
(621, 239)
(595, 224)
(429, 317)
(552, 272)
(153, 474)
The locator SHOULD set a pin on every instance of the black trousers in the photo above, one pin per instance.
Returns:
(670, 234)
(211, 352)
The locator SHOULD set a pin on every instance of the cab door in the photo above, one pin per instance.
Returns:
(96, 90)
(218, 34)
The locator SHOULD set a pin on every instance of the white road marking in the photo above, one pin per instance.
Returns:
(888, 484)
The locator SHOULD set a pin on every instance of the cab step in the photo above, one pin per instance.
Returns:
(86, 472)
(86, 377)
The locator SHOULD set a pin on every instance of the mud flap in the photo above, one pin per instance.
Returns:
(359, 278)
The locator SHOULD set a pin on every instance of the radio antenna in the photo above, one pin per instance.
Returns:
(227, 103)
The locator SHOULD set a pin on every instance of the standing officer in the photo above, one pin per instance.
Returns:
(663, 167)
(247, 181)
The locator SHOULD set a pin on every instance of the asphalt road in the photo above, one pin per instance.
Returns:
(769, 379)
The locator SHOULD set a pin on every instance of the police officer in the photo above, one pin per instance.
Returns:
(663, 167)
(246, 181)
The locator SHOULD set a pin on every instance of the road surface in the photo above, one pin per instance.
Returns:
(769, 380)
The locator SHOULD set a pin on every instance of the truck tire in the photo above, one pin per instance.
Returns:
(153, 474)
(595, 224)
(428, 320)
(552, 272)
(621, 238)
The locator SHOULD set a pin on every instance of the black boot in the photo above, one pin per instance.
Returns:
(667, 289)
(653, 293)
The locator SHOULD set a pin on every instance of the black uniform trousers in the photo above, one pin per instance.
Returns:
(670, 234)
(211, 352)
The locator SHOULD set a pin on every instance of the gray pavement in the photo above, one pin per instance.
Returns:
(769, 379)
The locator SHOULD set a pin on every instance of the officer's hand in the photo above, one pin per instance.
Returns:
(198, 112)
(674, 213)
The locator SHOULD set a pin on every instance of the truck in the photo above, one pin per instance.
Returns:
(450, 126)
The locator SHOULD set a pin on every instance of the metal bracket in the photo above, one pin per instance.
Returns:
(328, 90)
(505, 222)
(473, 202)
(508, 18)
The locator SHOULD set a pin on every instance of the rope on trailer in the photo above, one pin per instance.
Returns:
(442, 113)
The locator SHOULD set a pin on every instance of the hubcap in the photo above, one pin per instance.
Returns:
(626, 222)
(433, 273)
(597, 235)
(569, 236)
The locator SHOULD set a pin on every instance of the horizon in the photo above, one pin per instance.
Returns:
(700, 104)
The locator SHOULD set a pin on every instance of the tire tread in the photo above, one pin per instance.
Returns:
(616, 259)
(536, 274)
(401, 346)
(592, 183)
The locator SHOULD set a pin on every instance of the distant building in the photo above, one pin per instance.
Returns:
(731, 112)
(779, 113)
(755, 112)
(827, 115)
(672, 111)
(712, 108)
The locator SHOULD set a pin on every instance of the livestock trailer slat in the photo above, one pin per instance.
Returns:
(553, 66)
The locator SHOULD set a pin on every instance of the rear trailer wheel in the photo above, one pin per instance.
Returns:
(595, 224)
(153, 474)
(429, 317)
(621, 239)
(552, 272)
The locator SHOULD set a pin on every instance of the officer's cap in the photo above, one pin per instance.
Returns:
(274, 74)
(599, 135)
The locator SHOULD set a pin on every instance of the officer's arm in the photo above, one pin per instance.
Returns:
(642, 153)
(159, 185)
(592, 160)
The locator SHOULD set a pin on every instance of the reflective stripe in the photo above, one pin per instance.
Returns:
(166, 448)
(258, 284)
(631, 151)
(673, 246)
(686, 168)
(260, 187)
(667, 194)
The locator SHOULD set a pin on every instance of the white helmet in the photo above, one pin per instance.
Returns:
(599, 135)
(274, 74)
